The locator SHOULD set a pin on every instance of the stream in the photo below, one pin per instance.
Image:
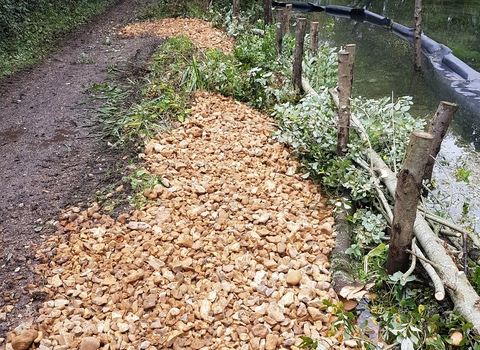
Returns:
(384, 67)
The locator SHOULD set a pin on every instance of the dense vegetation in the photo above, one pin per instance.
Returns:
(29, 29)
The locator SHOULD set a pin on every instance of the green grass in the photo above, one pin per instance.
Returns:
(31, 38)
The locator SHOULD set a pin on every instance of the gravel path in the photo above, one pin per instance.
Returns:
(231, 253)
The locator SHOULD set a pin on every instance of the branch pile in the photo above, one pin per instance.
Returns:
(464, 296)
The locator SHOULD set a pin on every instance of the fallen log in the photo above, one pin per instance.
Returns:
(463, 295)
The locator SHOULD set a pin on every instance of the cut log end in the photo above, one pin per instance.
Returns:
(422, 134)
(439, 296)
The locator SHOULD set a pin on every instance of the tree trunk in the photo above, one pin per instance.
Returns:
(407, 194)
(313, 38)
(417, 36)
(341, 267)
(438, 128)
(298, 55)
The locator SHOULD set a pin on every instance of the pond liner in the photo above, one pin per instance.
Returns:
(450, 73)
(299, 6)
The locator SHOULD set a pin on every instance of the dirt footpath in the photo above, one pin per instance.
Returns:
(50, 156)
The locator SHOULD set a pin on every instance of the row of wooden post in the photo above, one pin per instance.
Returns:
(283, 27)
(420, 154)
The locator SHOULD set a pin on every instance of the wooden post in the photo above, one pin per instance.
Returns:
(350, 48)
(345, 74)
(407, 194)
(267, 12)
(286, 19)
(313, 38)
(279, 33)
(438, 128)
(298, 55)
(236, 9)
(417, 36)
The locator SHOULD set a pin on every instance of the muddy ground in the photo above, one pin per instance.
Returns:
(50, 153)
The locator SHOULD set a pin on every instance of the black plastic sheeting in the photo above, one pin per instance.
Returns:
(461, 81)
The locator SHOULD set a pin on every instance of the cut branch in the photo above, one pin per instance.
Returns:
(437, 282)
(466, 299)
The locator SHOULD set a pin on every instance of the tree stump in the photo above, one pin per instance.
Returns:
(407, 194)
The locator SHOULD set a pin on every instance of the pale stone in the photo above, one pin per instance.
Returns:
(150, 302)
(100, 301)
(306, 294)
(185, 240)
(56, 281)
(294, 277)
(60, 303)
(315, 313)
(123, 327)
(109, 281)
(271, 342)
(287, 299)
(260, 330)
(274, 311)
(140, 226)
(89, 343)
(351, 343)
(134, 277)
(172, 337)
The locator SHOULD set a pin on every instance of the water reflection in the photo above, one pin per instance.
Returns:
(384, 67)
(455, 24)
(384, 62)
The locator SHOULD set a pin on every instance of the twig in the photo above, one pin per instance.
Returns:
(413, 264)
(465, 253)
(447, 232)
(472, 235)
(437, 282)
(423, 258)
(393, 138)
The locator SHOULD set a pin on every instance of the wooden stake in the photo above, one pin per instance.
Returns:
(407, 194)
(298, 55)
(236, 9)
(417, 36)
(279, 33)
(438, 128)
(286, 19)
(350, 48)
(344, 91)
(313, 38)
(267, 12)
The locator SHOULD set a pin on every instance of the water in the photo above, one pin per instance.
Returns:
(384, 67)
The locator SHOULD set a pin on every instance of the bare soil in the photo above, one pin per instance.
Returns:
(50, 153)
